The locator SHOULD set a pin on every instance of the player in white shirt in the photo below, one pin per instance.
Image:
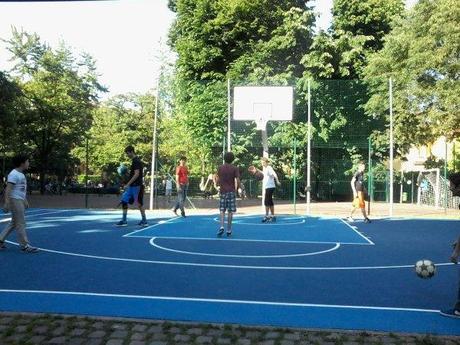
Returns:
(269, 182)
(16, 202)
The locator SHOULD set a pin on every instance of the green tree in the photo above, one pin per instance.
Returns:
(358, 29)
(10, 105)
(209, 35)
(369, 18)
(61, 92)
(118, 122)
(247, 41)
(421, 54)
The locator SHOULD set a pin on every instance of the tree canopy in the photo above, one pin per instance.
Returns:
(50, 99)
(58, 94)
(421, 54)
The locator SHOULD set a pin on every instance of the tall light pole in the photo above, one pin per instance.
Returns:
(154, 143)
(391, 146)
(309, 151)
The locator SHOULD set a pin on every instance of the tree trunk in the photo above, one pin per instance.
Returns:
(42, 175)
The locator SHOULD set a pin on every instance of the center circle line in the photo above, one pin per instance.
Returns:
(152, 243)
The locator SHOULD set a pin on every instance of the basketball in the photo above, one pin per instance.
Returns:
(425, 269)
(122, 170)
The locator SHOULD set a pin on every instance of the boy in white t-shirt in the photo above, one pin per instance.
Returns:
(16, 202)
(270, 181)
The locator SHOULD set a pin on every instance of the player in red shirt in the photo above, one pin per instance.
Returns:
(182, 185)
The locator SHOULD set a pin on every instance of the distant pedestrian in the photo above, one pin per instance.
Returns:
(168, 188)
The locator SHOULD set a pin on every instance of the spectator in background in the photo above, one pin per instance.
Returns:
(168, 188)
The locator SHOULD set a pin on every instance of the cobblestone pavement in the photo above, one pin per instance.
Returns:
(28, 329)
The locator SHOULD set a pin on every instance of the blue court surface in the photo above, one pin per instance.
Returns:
(308, 272)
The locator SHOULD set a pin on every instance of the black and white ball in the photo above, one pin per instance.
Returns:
(425, 269)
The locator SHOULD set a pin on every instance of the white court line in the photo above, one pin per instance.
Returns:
(251, 215)
(30, 212)
(36, 215)
(149, 227)
(191, 264)
(213, 300)
(360, 234)
(152, 243)
(251, 240)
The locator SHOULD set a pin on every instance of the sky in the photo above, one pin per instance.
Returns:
(124, 36)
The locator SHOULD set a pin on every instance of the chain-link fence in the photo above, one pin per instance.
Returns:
(193, 122)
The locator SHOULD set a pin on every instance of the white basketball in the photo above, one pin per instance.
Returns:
(425, 269)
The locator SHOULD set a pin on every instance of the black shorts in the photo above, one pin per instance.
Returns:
(268, 201)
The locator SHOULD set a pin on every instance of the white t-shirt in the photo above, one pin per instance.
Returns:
(269, 177)
(19, 182)
(168, 184)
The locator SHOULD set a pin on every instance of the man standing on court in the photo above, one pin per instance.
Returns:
(16, 202)
(357, 185)
(228, 178)
(182, 186)
(134, 189)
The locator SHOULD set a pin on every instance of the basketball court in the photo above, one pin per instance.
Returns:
(309, 272)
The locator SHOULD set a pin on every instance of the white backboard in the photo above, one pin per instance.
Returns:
(271, 103)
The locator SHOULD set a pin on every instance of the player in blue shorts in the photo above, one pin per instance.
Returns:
(134, 189)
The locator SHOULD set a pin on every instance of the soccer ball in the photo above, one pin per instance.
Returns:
(425, 269)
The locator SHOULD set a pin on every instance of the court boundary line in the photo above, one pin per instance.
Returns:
(355, 229)
(36, 215)
(192, 264)
(152, 243)
(215, 300)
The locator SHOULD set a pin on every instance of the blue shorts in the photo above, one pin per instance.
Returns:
(134, 194)
(227, 202)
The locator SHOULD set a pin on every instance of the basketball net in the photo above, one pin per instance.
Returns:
(261, 124)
